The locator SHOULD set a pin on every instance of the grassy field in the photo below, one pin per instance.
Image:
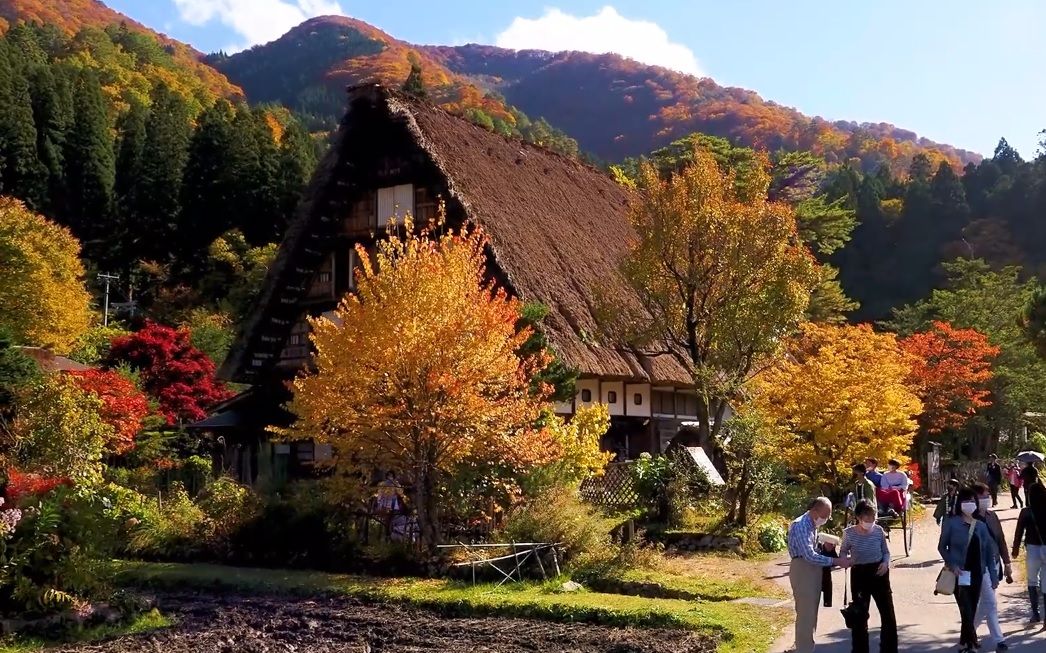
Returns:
(739, 628)
(151, 620)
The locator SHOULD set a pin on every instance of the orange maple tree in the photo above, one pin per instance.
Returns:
(419, 372)
(950, 370)
(124, 407)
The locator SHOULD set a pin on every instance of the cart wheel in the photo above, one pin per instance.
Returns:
(904, 532)
(909, 535)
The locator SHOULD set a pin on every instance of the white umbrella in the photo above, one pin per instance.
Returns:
(1031, 457)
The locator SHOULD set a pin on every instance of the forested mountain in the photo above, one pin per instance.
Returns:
(309, 68)
(71, 16)
(616, 107)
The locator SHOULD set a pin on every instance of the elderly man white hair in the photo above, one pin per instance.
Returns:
(806, 570)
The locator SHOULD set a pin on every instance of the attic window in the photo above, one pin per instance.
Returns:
(611, 397)
(637, 398)
(394, 203)
(586, 396)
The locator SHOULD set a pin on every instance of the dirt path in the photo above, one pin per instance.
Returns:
(926, 623)
(208, 623)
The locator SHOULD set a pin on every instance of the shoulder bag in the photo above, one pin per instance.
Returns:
(946, 580)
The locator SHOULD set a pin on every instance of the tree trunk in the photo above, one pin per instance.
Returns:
(427, 511)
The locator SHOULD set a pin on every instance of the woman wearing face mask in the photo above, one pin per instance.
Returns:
(988, 607)
(865, 545)
(969, 550)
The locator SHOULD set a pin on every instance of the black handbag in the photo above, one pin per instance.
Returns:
(855, 612)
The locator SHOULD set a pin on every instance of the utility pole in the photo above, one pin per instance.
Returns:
(108, 278)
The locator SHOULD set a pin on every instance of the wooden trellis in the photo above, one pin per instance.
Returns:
(616, 488)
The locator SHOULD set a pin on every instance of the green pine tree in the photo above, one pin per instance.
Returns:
(157, 204)
(208, 187)
(24, 176)
(53, 117)
(130, 130)
(90, 166)
(297, 161)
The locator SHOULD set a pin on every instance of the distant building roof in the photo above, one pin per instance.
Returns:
(50, 362)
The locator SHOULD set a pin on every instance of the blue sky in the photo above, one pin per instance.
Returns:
(963, 72)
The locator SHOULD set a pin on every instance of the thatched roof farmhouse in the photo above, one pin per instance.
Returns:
(558, 231)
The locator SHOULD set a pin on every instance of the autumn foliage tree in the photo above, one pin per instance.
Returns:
(419, 371)
(951, 369)
(179, 376)
(841, 393)
(721, 274)
(123, 407)
(43, 300)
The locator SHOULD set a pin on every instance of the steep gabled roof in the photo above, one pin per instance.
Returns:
(558, 230)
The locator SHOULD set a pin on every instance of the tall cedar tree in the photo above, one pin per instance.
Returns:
(90, 166)
(210, 197)
(53, 116)
(297, 161)
(24, 176)
(130, 144)
(164, 153)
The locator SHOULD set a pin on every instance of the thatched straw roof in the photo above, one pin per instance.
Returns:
(558, 231)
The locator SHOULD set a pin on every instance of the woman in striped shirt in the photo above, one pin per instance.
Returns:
(865, 545)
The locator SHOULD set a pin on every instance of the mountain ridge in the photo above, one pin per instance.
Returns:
(70, 16)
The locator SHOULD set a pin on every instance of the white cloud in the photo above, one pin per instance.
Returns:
(605, 31)
(257, 21)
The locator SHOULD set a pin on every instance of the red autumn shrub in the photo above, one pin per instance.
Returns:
(21, 485)
(124, 407)
(179, 376)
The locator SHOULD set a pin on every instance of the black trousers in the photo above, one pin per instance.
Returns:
(1015, 492)
(967, 598)
(867, 586)
(994, 487)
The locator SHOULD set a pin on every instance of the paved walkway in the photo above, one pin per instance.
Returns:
(926, 623)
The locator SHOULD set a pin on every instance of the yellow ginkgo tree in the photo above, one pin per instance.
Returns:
(43, 300)
(721, 274)
(841, 394)
(419, 371)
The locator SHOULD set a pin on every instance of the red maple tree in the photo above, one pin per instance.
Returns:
(21, 485)
(124, 407)
(951, 369)
(179, 376)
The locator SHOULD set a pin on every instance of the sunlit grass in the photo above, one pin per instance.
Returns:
(738, 628)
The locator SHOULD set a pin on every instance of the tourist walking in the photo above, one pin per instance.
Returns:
(1035, 495)
(865, 545)
(1028, 533)
(1013, 477)
(969, 551)
(806, 568)
(988, 606)
(993, 475)
(947, 505)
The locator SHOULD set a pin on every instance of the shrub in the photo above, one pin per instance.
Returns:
(559, 515)
(171, 528)
(52, 551)
(772, 536)
(300, 529)
(669, 484)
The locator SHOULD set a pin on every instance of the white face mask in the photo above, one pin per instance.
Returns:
(984, 503)
(968, 508)
(820, 521)
(867, 526)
